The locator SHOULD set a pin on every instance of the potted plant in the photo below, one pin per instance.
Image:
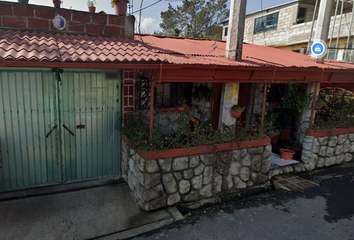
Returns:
(23, 1)
(57, 3)
(286, 154)
(120, 6)
(91, 6)
(319, 103)
(181, 106)
(236, 111)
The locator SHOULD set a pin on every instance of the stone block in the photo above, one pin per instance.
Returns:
(265, 165)
(149, 180)
(329, 161)
(340, 158)
(197, 182)
(245, 174)
(178, 175)
(155, 204)
(308, 139)
(323, 151)
(330, 151)
(238, 183)
(320, 162)
(256, 163)
(348, 157)
(188, 173)
(255, 150)
(307, 146)
(173, 199)
(249, 183)
(236, 155)
(346, 146)
(151, 166)
(198, 170)
(206, 191)
(226, 157)
(235, 168)
(351, 148)
(208, 159)
(323, 141)
(180, 163)
(184, 186)
(351, 137)
(169, 183)
(227, 182)
(191, 196)
(316, 147)
(333, 140)
(342, 138)
(194, 161)
(338, 149)
(131, 181)
(243, 152)
(246, 160)
(259, 178)
(207, 174)
(165, 164)
(217, 183)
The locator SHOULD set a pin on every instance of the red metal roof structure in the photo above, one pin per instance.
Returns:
(173, 59)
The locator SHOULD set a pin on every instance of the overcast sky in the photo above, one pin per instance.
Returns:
(151, 16)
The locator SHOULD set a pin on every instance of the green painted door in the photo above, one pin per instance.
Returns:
(29, 156)
(54, 132)
(90, 113)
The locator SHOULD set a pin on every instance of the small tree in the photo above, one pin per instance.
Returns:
(195, 18)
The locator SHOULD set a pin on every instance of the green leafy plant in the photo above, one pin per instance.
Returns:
(191, 132)
(297, 99)
(338, 111)
(237, 108)
(202, 93)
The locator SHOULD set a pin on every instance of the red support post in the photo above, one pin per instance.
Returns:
(313, 104)
(264, 102)
(152, 107)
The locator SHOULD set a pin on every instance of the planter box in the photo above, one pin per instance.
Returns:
(331, 132)
(179, 152)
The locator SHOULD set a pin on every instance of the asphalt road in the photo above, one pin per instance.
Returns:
(325, 212)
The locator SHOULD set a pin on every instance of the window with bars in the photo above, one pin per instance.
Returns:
(266, 23)
(170, 94)
(165, 94)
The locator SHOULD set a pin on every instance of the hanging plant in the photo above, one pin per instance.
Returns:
(202, 93)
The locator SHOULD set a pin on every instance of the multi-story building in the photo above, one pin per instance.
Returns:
(288, 26)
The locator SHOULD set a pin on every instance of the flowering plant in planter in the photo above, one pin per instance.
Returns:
(190, 133)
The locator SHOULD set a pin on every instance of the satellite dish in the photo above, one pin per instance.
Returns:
(59, 22)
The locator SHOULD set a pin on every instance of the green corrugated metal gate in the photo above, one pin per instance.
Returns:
(58, 127)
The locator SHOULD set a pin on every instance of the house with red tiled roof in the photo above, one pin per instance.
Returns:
(94, 101)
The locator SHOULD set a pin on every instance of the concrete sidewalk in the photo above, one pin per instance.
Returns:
(83, 214)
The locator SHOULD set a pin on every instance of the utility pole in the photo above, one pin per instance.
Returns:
(323, 22)
(234, 45)
(236, 29)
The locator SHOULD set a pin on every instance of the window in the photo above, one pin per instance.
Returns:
(266, 23)
(332, 53)
(170, 94)
(301, 13)
(226, 29)
(165, 95)
(297, 50)
(348, 53)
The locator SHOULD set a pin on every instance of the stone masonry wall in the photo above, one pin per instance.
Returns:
(165, 182)
(327, 151)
